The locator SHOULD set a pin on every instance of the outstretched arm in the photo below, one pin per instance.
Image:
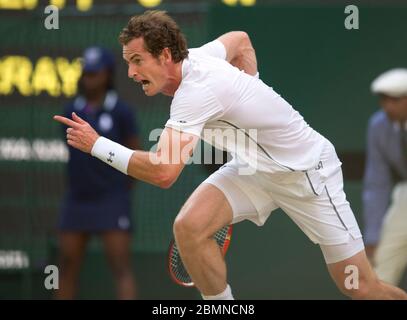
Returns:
(239, 51)
(160, 168)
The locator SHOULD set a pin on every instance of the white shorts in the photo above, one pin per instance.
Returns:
(313, 199)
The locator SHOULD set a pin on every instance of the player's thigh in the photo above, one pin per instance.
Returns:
(248, 198)
(224, 198)
(204, 213)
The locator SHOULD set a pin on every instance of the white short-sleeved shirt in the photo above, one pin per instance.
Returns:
(216, 100)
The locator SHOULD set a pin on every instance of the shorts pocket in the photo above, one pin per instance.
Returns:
(316, 181)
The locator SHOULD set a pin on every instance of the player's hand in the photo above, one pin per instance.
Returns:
(80, 134)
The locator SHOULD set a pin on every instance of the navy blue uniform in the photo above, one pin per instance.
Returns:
(98, 196)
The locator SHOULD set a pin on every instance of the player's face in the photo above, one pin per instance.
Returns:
(396, 108)
(150, 72)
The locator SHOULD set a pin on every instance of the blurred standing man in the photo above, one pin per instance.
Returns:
(98, 198)
(385, 181)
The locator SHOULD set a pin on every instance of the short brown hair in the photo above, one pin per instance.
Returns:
(159, 31)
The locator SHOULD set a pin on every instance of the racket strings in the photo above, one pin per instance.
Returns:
(176, 265)
(221, 235)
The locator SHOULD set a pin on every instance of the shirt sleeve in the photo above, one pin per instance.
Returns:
(214, 48)
(377, 186)
(191, 108)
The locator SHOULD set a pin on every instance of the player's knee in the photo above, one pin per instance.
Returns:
(182, 226)
(186, 228)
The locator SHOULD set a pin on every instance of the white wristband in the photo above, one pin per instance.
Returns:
(112, 153)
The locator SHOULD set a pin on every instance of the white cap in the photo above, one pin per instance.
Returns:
(392, 83)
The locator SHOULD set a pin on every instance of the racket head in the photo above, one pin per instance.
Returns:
(176, 268)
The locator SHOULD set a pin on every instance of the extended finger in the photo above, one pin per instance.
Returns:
(67, 122)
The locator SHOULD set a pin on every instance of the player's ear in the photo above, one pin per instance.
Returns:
(166, 55)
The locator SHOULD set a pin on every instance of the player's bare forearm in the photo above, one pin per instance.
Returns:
(159, 168)
(239, 51)
(148, 167)
(163, 166)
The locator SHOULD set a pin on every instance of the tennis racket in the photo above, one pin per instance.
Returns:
(176, 268)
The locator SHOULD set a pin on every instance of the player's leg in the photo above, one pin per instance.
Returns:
(355, 278)
(348, 261)
(204, 213)
(72, 246)
(328, 219)
(317, 203)
(390, 259)
(117, 249)
(225, 197)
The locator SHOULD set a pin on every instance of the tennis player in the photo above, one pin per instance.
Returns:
(216, 87)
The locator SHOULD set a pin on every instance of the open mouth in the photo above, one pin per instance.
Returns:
(145, 84)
